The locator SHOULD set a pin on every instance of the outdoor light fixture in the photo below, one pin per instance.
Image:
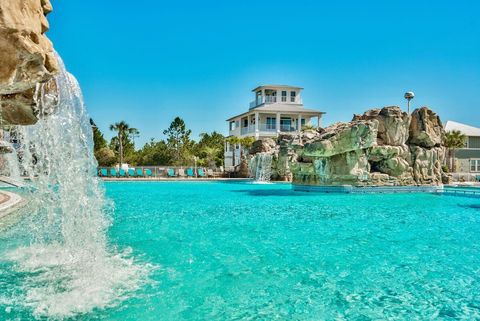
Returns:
(409, 96)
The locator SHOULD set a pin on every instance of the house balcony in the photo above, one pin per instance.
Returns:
(269, 128)
(259, 101)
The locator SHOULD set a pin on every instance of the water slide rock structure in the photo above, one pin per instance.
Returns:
(382, 147)
(26, 56)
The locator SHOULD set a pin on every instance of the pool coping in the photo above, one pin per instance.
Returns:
(350, 189)
(10, 203)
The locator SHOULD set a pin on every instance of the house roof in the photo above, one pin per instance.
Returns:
(275, 86)
(281, 108)
(464, 129)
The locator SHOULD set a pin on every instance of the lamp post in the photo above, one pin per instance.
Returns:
(195, 158)
(409, 95)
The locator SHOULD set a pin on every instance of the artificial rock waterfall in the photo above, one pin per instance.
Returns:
(382, 147)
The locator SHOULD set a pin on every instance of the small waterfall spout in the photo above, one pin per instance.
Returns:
(261, 167)
(69, 268)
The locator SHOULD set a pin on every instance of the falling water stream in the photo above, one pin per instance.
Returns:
(68, 266)
(261, 167)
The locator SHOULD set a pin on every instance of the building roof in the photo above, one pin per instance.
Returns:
(464, 129)
(281, 108)
(275, 86)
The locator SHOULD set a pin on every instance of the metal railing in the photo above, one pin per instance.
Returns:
(264, 127)
(465, 177)
(287, 128)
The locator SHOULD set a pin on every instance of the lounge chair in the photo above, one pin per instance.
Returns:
(121, 172)
(210, 172)
(190, 172)
(131, 172)
(139, 172)
(113, 172)
(181, 172)
(171, 172)
(103, 172)
(148, 173)
(201, 172)
(477, 178)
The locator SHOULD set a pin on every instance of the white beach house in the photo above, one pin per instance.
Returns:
(276, 109)
(467, 159)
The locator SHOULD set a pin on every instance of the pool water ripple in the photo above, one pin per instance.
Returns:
(244, 252)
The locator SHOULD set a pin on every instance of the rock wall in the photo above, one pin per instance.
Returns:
(380, 147)
(26, 57)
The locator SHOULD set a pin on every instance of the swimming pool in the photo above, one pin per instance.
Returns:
(238, 251)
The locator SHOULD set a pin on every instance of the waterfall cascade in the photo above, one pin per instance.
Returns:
(68, 266)
(261, 167)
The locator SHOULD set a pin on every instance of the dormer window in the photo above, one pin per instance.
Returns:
(284, 95)
(292, 96)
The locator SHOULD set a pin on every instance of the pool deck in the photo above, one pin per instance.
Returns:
(173, 179)
(10, 202)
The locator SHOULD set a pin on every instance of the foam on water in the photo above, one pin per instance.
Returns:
(68, 266)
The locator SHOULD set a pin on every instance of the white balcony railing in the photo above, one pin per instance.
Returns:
(264, 127)
(261, 100)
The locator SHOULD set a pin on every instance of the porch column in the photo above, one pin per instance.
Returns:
(299, 121)
(318, 121)
(248, 123)
(277, 122)
(263, 96)
(256, 124)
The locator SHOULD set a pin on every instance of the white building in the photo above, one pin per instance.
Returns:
(467, 159)
(276, 109)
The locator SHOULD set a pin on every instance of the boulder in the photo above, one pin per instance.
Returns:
(26, 56)
(265, 145)
(341, 138)
(380, 153)
(427, 164)
(393, 124)
(426, 129)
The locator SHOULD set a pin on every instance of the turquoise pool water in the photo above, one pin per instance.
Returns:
(225, 251)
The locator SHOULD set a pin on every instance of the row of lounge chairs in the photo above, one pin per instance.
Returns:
(189, 172)
(112, 172)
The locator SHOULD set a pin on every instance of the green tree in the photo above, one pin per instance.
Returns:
(453, 140)
(123, 138)
(178, 140)
(209, 149)
(155, 153)
(98, 140)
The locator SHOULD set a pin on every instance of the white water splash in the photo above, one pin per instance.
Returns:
(69, 266)
(261, 167)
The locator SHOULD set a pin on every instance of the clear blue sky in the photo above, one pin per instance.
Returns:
(148, 61)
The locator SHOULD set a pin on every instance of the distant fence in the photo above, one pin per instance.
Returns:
(162, 171)
(466, 177)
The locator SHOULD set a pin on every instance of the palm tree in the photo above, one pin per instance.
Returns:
(453, 140)
(211, 154)
(123, 130)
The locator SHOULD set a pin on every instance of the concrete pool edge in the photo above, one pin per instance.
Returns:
(350, 189)
(10, 202)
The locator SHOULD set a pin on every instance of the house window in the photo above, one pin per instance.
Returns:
(271, 122)
(285, 124)
(245, 122)
(475, 165)
(232, 125)
(292, 96)
(284, 95)
(303, 122)
(473, 142)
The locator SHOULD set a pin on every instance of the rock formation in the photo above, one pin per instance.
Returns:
(26, 57)
(380, 147)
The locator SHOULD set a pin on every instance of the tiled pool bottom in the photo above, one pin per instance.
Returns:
(244, 251)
